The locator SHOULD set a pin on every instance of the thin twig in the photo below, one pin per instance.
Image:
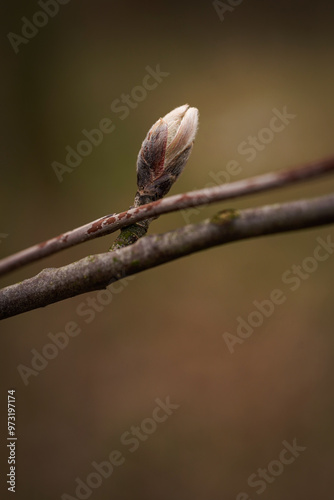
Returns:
(98, 271)
(110, 223)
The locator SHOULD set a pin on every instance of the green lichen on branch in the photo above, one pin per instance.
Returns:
(225, 216)
(129, 235)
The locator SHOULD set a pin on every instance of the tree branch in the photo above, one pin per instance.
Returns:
(110, 223)
(98, 271)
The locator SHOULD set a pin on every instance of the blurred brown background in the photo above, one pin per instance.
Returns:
(162, 335)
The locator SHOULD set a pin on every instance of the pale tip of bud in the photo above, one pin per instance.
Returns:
(184, 135)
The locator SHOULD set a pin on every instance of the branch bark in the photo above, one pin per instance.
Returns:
(98, 271)
(110, 223)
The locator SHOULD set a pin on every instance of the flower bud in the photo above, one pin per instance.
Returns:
(164, 153)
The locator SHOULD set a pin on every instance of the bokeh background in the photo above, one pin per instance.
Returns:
(162, 335)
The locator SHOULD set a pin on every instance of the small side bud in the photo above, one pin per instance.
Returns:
(164, 153)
